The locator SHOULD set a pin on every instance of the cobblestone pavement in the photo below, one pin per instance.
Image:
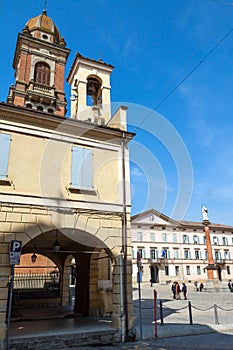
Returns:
(176, 312)
(176, 321)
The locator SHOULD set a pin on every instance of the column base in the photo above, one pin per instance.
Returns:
(216, 286)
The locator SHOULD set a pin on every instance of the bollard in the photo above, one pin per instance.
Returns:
(155, 314)
(190, 313)
(161, 312)
(216, 314)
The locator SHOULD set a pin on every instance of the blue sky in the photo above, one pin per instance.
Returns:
(182, 154)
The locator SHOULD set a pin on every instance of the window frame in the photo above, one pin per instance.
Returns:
(5, 145)
(42, 73)
(81, 169)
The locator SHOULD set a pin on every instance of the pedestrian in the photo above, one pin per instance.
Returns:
(201, 287)
(184, 291)
(177, 290)
(173, 289)
(229, 284)
(195, 286)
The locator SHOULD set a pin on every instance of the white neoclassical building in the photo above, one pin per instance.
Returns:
(176, 250)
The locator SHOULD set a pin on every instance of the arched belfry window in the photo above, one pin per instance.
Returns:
(42, 73)
(94, 93)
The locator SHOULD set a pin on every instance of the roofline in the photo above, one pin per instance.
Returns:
(182, 223)
(22, 114)
(159, 214)
(81, 58)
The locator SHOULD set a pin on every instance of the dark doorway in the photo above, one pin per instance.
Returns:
(154, 272)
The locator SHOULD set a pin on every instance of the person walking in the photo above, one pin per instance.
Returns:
(195, 286)
(184, 291)
(173, 288)
(177, 290)
(201, 287)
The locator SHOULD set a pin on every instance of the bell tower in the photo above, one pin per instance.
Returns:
(90, 90)
(39, 64)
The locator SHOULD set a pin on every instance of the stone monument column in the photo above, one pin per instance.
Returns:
(206, 223)
(212, 284)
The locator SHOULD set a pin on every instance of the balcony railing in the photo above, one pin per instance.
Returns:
(41, 88)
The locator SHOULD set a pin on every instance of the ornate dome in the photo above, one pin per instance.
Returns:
(45, 24)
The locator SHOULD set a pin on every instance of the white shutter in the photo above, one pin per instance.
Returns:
(81, 173)
(5, 140)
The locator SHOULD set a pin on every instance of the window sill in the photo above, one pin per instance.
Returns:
(5, 182)
(82, 191)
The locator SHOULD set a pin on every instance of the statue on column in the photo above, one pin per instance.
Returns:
(204, 213)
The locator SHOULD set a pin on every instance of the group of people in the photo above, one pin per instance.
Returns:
(176, 290)
(198, 288)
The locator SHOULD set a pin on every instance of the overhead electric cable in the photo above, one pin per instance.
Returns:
(185, 78)
(222, 2)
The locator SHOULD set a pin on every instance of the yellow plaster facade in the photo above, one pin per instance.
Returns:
(61, 181)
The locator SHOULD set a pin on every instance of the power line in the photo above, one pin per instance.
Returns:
(222, 2)
(184, 79)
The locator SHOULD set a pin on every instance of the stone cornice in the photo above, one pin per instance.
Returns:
(71, 126)
(41, 43)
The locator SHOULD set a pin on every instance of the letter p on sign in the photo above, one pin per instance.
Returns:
(15, 252)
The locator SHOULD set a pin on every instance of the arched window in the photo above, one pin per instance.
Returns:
(94, 93)
(42, 73)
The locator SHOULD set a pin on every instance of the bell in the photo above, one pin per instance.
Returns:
(91, 90)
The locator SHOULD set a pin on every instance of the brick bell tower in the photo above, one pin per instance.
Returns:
(39, 64)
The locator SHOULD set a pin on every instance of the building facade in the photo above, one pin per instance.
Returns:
(59, 180)
(176, 250)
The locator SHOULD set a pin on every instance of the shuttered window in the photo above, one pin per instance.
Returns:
(42, 73)
(5, 140)
(81, 175)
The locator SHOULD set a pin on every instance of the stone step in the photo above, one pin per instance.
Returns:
(64, 340)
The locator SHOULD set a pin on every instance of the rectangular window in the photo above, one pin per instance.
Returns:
(188, 270)
(177, 270)
(164, 237)
(139, 236)
(152, 237)
(174, 237)
(224, 241)
(206, 255)
(81, 175)
(142, 252)
(185, 239)
(197, 254)
(195, 239)
(228, 270)
(5, 140)
(215, 240)
(227, 255)
(187, 254)
(154, 254)
(204, 239)
(132, 253)
(165, 253)
(198, 270)
(217, 255)
(176, 253)
(166, 270)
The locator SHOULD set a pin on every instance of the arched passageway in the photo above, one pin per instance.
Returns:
(79, 266)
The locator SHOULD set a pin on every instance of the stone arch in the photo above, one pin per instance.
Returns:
(93, 291)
